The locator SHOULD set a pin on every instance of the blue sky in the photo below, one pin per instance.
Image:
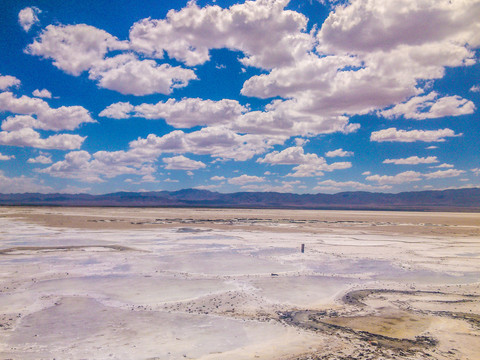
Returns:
(290, 96)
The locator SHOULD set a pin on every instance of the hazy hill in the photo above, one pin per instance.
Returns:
(446, 200)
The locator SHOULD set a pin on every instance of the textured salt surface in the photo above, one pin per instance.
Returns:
(171, 293)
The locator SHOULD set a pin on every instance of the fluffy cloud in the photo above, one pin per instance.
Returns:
(40, 159)
(217, 178)
(120, 110)
(392, 134)
(357, 47)
(411, 176)
(7, 81)
(444, 165)
(75, 166)
(441, 174)
(215, 141)
(70, 189)
(185, 113)
(333, 86)
(30, 138)
(285, 186)
(285, 118)
(401, 178)
(374, 25)
(245, 179)
(182, 163)
(44, 93)
(192, 112)
(62, 118)
(207, 187)
(332, 185)
(291, 156)
(127, 74)
(301, 141)
(362, 42)
(74, 48)
(18, 130)
(293, 117)
(308, 164)
(6, 157)
(338, 153)
(412, 160)
(28, 16)
(82, 166)
(310, 73)
(21, 184)
(262, 30)
(78, 48)
(385, 35)
(431, 106)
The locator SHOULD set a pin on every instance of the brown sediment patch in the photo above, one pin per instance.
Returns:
(364, 328)
(28, 250)
(307, 221)
(387, 323)
(473, 319)
(387, 320)
(357, 297)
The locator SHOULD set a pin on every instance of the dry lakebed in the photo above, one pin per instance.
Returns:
(160, 283)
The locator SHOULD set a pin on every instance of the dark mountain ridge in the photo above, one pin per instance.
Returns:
(436, 200)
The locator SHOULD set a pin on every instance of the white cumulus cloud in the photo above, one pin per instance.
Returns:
(262, 30)
(74, 48)
(338, 153)
(182, 163)
(22, 184)
(28, 16)
(332, 185)
(441, 174)
(4, 157)
(7, 81)
(190, 112)
(83, 166)
(44, 93)
(47, 118)
(431, 106)
(307, 164)
(40, 159)
(245, 179)
(128, 75)
(30, 138)
(412, 160)
(394, 135)
(401, 178)
(120, 110)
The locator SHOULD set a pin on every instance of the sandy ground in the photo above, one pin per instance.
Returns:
(113, 283)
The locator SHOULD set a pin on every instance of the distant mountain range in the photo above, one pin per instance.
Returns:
(445, 200)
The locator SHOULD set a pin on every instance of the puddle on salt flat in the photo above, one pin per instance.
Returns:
(386, 271)
(83, 328)
(132, 289)
(275, 251)
(222, 263)
(305, 291)
(468, 254)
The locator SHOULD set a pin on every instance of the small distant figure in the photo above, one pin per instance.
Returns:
(303, 248)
